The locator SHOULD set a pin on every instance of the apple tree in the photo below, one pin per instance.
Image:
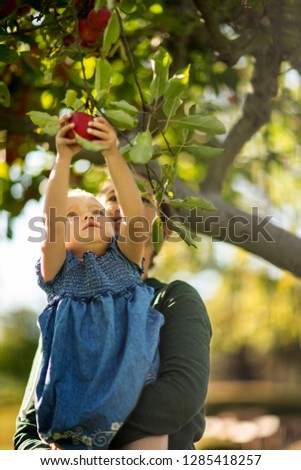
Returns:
(195, 88)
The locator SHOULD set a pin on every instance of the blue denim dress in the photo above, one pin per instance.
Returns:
(100, 348)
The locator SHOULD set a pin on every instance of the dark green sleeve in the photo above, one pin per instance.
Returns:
(26, 436)
(179, 393)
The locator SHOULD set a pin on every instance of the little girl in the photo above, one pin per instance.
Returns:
(100, 335)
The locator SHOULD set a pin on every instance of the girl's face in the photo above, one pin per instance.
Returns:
(88, 225)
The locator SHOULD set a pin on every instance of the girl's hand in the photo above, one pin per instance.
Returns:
(104, 134)
(66, 146)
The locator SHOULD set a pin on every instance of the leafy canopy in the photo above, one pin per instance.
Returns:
(78, 55)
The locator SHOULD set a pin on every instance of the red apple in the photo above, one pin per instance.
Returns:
(81, 124)
(99, 19)
(86, 33)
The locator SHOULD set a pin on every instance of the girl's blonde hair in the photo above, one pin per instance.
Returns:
(77, 192)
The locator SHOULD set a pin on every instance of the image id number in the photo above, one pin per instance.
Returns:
(225, 459)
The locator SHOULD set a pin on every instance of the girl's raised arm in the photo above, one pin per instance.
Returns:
(130, 243)
(55, 208)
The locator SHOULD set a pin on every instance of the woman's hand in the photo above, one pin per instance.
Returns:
(53, 446)
(66, 146)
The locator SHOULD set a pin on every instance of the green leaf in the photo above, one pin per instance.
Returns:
(208, 124)
(178, 83)
(169, 172)
(170, 107)
(4, 95)
(157, 151)
(101, 98)
(111, 33)
(128, 6)
(181, 230)
(159, 192)
(88, 145)
(192, 202)
(120, 119)
(142, 150)
(7, 55)
(124, 106)
(125, 149)
(202, 151)
(103, 75)
(161, 62)
(157, 234)
(111, 4)
(49, 124)
(99, 4)
(70, 98)
(50, 130)
(78, 104)
(148, 98)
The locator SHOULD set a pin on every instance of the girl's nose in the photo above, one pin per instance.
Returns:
(88, 215)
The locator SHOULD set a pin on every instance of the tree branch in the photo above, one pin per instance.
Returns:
(226, 49)
(250, 232)
(256, 112)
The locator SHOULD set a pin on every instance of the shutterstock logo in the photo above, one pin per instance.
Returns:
(238, 229)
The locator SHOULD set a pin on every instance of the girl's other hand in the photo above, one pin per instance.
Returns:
(105, 135)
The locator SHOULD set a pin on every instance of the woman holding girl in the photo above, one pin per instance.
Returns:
(173, 404)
